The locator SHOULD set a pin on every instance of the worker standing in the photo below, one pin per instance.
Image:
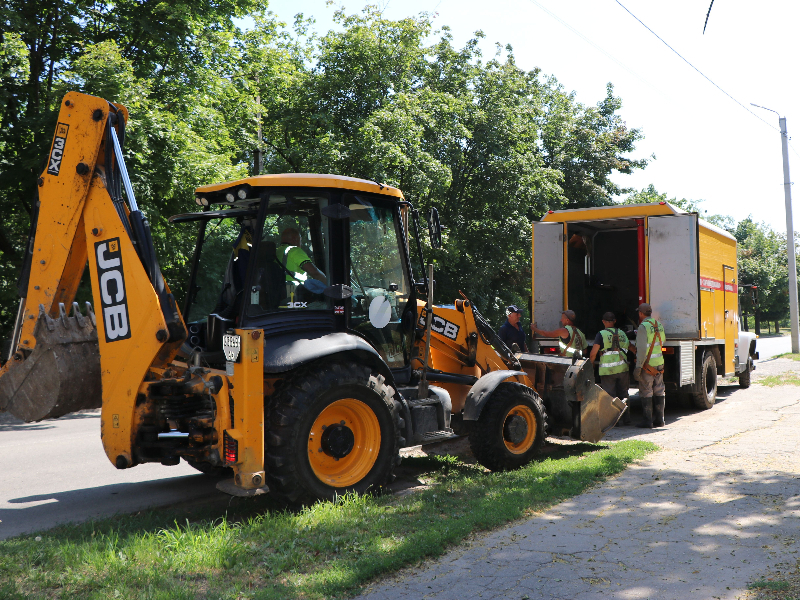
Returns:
(612, 344)
(511, 332)
(570, 338)
(649, 369)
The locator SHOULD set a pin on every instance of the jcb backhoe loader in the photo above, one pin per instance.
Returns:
(303, 354)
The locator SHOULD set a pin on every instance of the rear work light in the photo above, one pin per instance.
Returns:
(230, 450)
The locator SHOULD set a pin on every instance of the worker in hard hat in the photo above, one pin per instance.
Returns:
(612, 345)
(649, 369)
(570, 338)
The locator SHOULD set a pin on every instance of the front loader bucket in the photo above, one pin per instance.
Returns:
(575, 404)
(61, 375)
(599, 413)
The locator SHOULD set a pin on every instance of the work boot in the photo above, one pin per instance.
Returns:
(658, 411)
(647, 413)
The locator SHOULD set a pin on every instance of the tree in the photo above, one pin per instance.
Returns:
(491, 145)
(763, 262)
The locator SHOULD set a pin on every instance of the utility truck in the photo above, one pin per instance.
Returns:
(303, 356)
(614, 258)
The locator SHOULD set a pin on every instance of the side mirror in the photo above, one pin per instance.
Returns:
(435, 229)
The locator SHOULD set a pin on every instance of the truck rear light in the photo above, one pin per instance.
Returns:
(230, 450)
(668, 350)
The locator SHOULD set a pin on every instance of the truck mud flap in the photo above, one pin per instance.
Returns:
(62, 373)
(576, 405)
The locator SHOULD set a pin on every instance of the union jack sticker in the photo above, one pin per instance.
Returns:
(338, 310)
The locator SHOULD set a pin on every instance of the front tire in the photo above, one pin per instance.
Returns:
(510, 430)
(333, 428)
(744, 377)
(705, 392)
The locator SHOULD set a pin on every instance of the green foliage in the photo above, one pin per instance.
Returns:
(650, 195)
(491, 145)
(763, 262)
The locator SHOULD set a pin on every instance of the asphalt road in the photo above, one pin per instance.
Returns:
(56, 471)
(768, 347)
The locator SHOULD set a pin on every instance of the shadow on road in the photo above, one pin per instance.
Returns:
(49, 510)
(9, 422)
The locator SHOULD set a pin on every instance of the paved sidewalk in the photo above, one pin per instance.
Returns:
(712, 511)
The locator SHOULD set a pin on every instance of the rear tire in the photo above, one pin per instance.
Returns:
(333, 428)
(510, 430)
(705, 389)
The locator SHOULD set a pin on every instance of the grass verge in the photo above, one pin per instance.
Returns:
(254, 550)
(788, 378)
(788, 355)
(782, 583)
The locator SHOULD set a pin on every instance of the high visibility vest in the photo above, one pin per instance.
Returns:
(656, 358)
(577, 341)
(613, 359)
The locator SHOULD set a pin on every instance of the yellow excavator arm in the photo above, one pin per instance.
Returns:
(63, 362)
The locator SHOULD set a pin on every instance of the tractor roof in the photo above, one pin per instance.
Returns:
(217, 192)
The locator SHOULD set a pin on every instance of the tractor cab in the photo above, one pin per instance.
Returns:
(302, 256)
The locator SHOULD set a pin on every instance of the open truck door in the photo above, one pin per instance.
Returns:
(674, 268)
(576, 406)
(547, 286)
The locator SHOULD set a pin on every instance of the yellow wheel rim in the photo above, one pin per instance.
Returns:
(344, 442)
(517, 444)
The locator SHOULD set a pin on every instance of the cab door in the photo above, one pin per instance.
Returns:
(730, 294)
(379, 278)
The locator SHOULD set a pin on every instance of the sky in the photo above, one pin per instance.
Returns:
(709, 143)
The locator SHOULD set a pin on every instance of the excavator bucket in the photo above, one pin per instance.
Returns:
(575, 404)
(61, 375)
(599, 413)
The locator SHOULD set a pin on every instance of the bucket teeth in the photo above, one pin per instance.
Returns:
(76, 312)
(90, 313)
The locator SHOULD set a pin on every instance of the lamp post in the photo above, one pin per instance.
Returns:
(787, 194)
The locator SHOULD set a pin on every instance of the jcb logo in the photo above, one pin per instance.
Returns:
(441, 326)
(298, 304)
(113, 300)
(57, 152)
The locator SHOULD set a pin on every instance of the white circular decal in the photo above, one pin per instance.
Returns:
(380, 312)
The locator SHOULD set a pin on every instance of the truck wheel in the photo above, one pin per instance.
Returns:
(332, 428)
(744, 376)
(510, 430)
(705, 390)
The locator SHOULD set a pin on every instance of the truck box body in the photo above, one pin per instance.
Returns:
(614, 258)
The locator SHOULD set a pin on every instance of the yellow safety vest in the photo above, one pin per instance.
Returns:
(613, 360)
(656, 358)
(577, 341)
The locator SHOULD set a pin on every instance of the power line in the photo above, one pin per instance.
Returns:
(601, 50)
(695, 68)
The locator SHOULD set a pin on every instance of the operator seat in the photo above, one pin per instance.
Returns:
(226, 314)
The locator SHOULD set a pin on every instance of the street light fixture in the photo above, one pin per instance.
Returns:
(787, 194)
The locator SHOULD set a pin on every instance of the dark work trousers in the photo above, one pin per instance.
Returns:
(616, 385)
